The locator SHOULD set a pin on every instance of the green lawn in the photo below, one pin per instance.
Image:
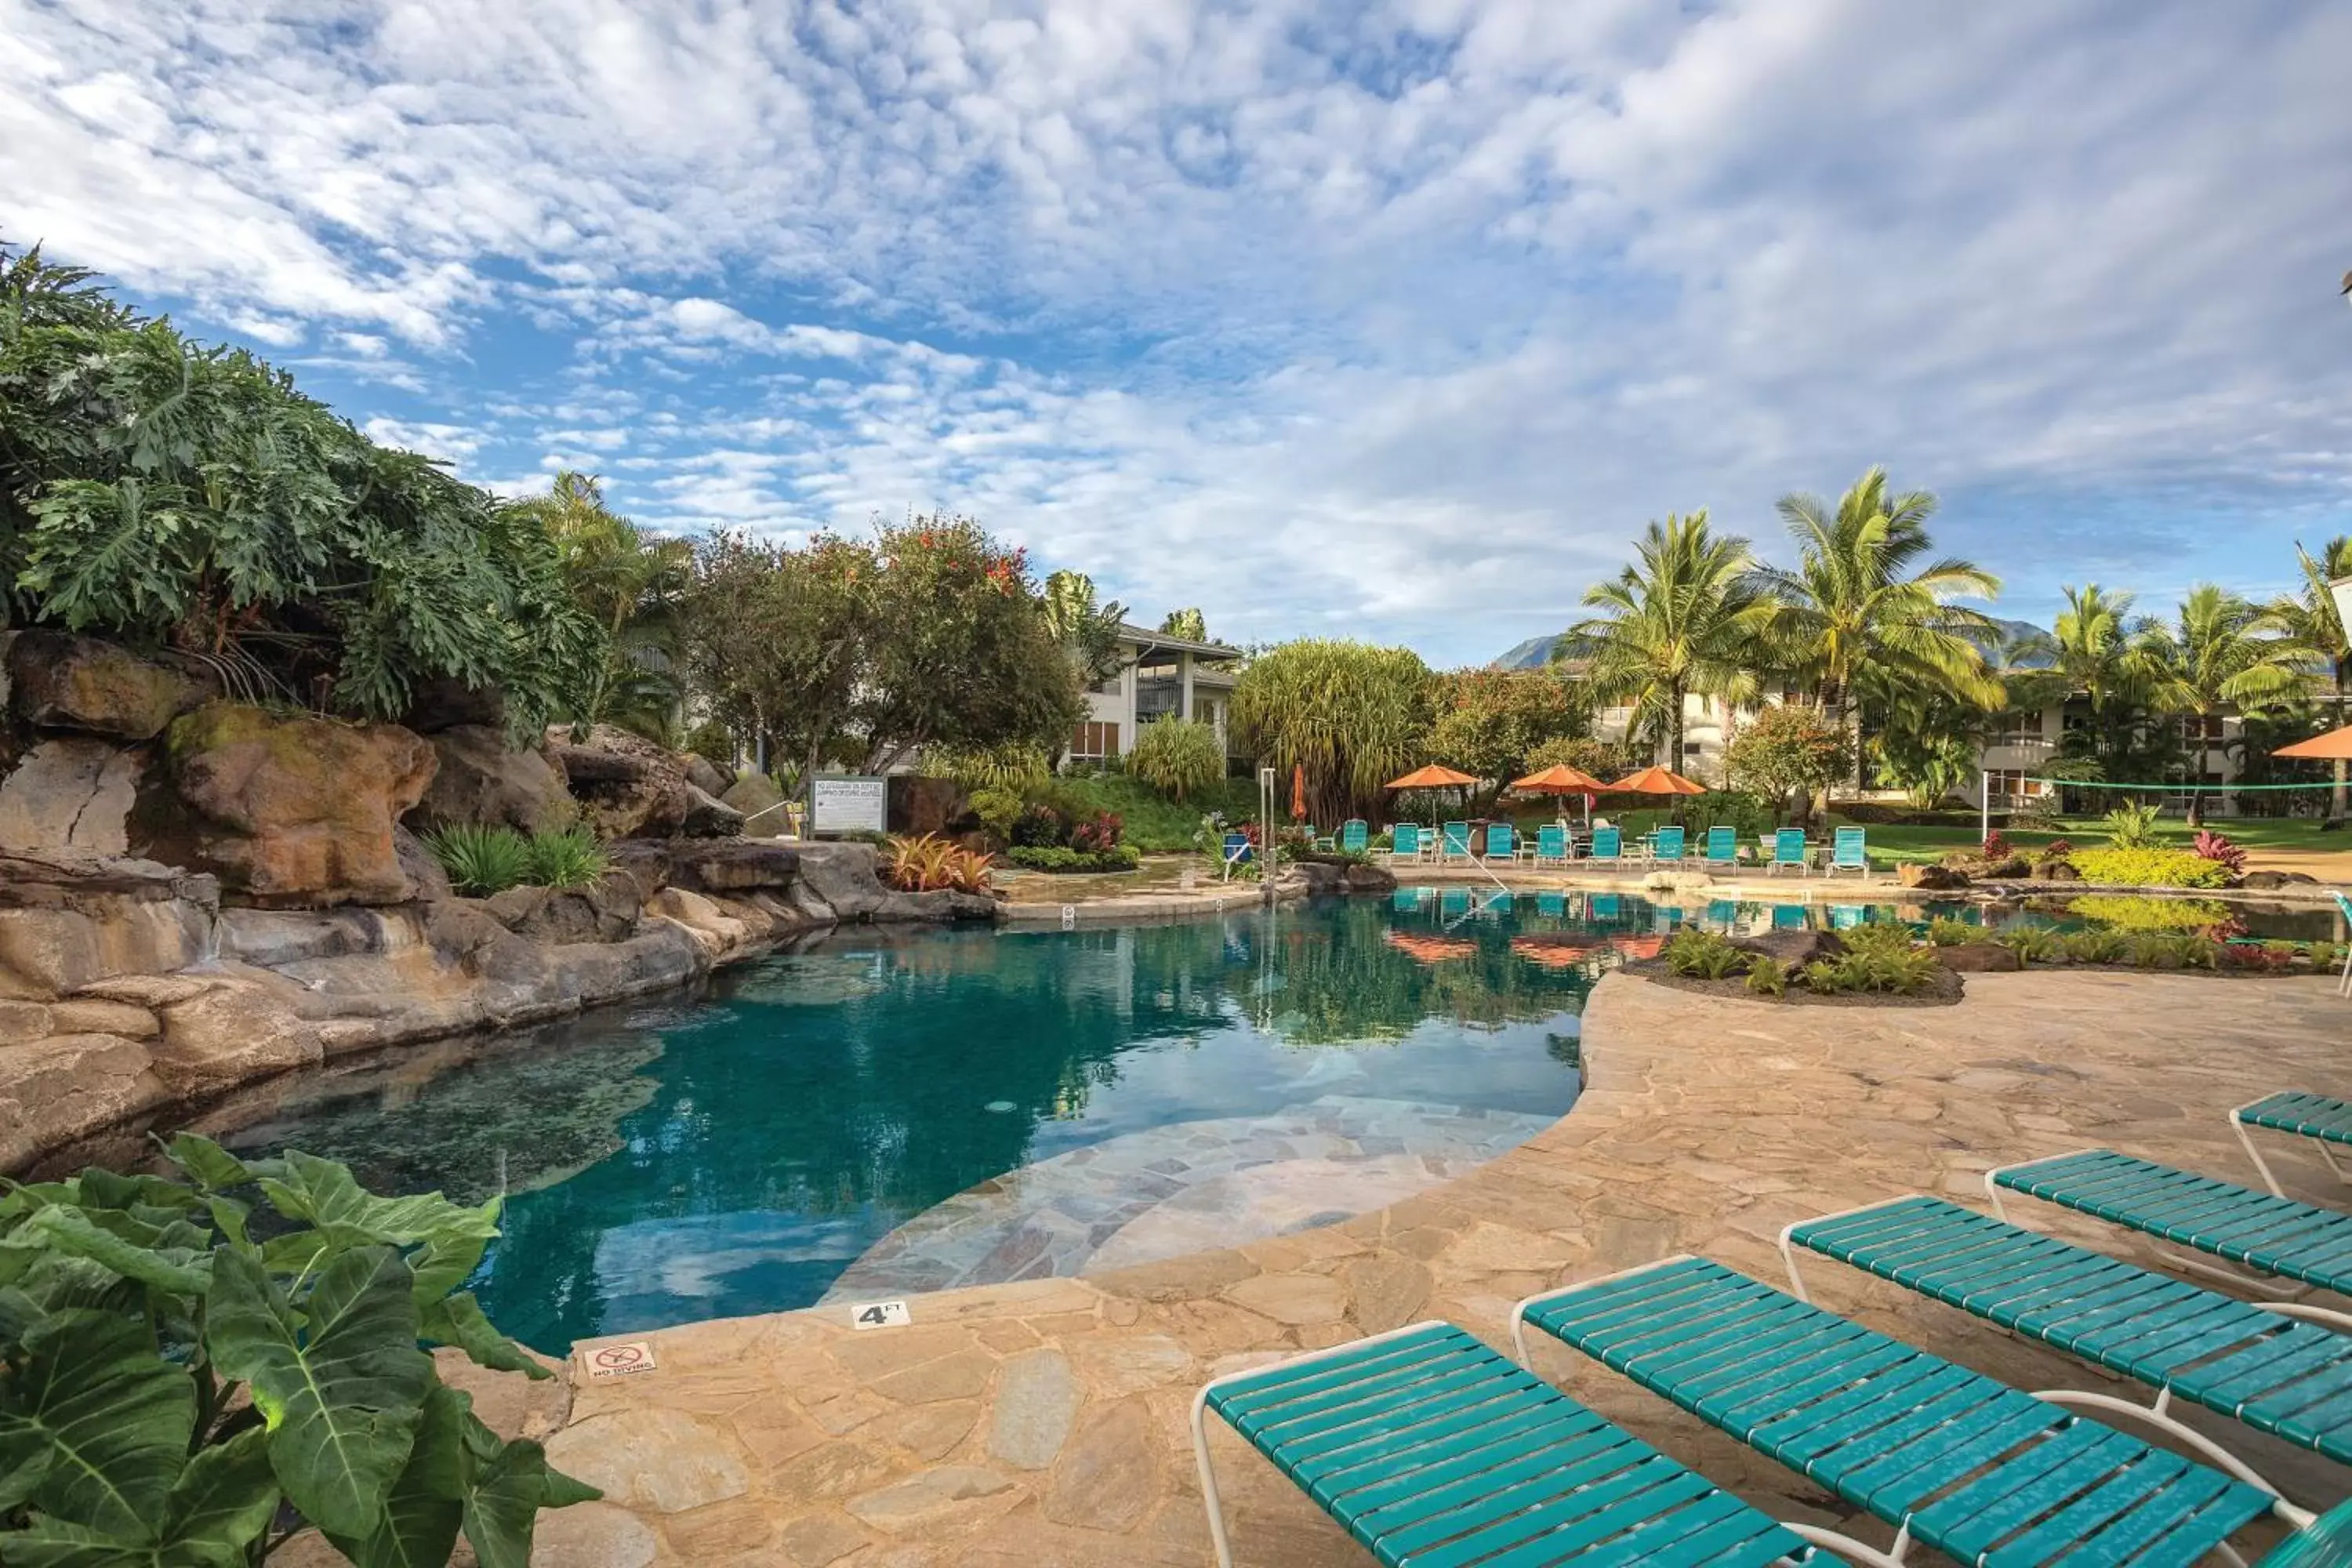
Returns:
(1152, 822)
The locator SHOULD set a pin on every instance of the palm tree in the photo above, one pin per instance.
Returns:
(1683, 621)
(630, 582)
(2225, 651)
(1860, 619)
(1089, 633)
(2312, 619)
(2099, 647)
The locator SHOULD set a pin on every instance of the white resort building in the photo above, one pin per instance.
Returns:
(1159, 676)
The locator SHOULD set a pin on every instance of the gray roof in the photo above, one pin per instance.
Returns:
(1150, 639)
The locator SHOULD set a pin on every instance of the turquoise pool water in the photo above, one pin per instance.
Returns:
(1141, 1091)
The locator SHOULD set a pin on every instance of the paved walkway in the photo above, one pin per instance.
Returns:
(1040, 1425)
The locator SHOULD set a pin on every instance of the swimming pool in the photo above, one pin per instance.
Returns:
(890, 1112)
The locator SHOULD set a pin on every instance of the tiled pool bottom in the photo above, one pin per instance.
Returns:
(887, 1113)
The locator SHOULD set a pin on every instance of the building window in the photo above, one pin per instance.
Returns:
(1095, 741)
(2022, 724)
(2205, 727)
(2012, 783)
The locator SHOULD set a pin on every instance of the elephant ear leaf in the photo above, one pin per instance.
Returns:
(512, 1481)
(421, 1516)
(459, 1320)
(224, 1502)
(213, 1168)
(94, 1429)
(341, 1387)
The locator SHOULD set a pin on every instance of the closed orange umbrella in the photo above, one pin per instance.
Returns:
(1298, 791)
(2334, 746)
(1657, 780)
(1431, 777)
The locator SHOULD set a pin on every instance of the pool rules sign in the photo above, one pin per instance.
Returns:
(848, 803)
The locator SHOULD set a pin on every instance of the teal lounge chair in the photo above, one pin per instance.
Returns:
(1724, 912)
(1551, 846)
(1949, 1457)
(1405, 845)
(1608, 844)
(1553, 905)
(1502, 843)
(2344, 906)
(1849, 853)
(1666, 846)
(1454, 902)
(1355, 834)
(1429, 1446)
(2327, 1122)
(1788, 917)
(1845, 917)
(2283, 1239)
(1454, 844)
(2293, 1380)
(1722, 847)
(1409, 901)
(1789, 850)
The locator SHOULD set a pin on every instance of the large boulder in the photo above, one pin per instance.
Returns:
(72, 792)
(1930, 878)
(1979, 958)
(629, 787)
(603, 911)
(428, 878)
(704, 774)
(2266, 882)
(759, 800)
(59, 681)
(291, 810)
(482, 780)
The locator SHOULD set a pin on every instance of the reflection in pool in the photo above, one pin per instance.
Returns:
(737, 1153)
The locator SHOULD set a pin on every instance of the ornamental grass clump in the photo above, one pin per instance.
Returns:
(193, 1371)
(481, 860)
(570, 857)
(928, 864)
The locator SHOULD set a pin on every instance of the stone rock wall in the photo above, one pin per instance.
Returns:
(59, 681)
(629, 787)
(293, 810)
(73, 791)
(482, 779)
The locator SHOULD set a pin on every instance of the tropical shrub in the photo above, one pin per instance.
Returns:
(1039, 825)
(480, 860)
(2056, 849)
(1596, 759)
(1704, 954)
(1996, 846)
(185, 1381)
(1179, 756)
(2172, 950)
(1097, 834)
(998, 809)
(570, 857)
(1943, 931)
(164, 491)
(2095, 946)
(1882, 967)
(1877, 937)
(1490, 721)
(1057, 858)
(928, 863)
(2131, 825)
(2150, 868)
(2216, 848)
(1768, 975)
(1745, 814)
(2032, 944)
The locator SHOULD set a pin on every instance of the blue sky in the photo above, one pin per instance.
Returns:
(1391, 319)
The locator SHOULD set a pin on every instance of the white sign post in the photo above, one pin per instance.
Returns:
(848, 803)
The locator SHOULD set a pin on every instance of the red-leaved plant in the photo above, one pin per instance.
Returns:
(1995, 848)
(1100, 834)
(2214, 847)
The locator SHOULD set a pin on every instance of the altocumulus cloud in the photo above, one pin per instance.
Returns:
(1390, 318)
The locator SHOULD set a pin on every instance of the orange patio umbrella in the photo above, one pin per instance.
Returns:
(1431, 949)
(1433, 776)
(2334, 746)
(1561, 779)
(1657, 780)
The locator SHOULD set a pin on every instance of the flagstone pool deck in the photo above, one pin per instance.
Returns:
(1044, 1424)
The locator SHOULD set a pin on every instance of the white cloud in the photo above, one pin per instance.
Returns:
(1400, 317)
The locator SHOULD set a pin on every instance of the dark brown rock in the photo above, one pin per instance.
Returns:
(295, 810)
(1794, 948)
(64, 682)
(2263, 880)
(1978, 958)
(1930, 878)
(482, 780)
(733, 866)
(706, 775)
(629, 787)
(605, 910)
(426, 879)
(645, 861)
(448, 702)
(2056, 871)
